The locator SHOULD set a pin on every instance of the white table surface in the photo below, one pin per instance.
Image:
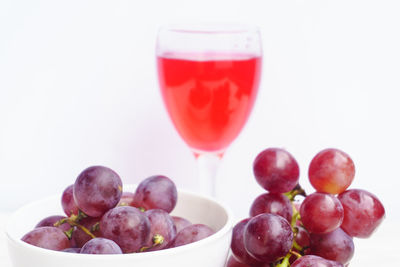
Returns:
(379, 250)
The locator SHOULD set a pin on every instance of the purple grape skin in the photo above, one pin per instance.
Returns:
(321, 213)
(180, 223)
(72, 250)
(363, 212)
(336, 245)
(127, 199)
(47, 237)
(127, 226)
(268, 237)
(277, 204)
(97, 190)
(160, 223)
(237, 244)
(192, 233)
(67, 201)
(302, 237)
(276, 170)
(80, 237)
(51, 220)
(101, 246)
(233, 262)
(156, 192)
(315, 261)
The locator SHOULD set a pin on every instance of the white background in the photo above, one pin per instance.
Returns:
(78, 87)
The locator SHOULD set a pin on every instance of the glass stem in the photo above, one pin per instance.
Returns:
(207, 168)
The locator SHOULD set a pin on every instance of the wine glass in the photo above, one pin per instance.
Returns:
(209, 77)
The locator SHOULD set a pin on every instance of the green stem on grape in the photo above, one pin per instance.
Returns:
(297, 246)
(60, 222)
(69, 233)
(158, 239)
(81, 215)
(142, 209)
(298, 190)
(73, 218)
(295, 217)
(83, 228)
(73, 221)
(143, 249)
(95, 227)
(298, 255)
(285, 261)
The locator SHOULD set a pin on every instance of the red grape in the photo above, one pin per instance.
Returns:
(67, 201)
(302, 237)
(268, 237)
(156, 192)
(314, 261)
(192, 233)
(237, 244)
(101, 246)
(276, 170)
(363, 212)
(127, 199)
(161, 223)
(321, 213)
(127, 226)
(72, 250)
(51, 220)
(180, 223)
(336, 245)
(47, 237)
(91, 224)
(96, 190)
(277, 204)
(331, 171)
(232, 262)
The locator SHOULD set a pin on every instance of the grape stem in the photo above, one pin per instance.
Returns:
(295, 217)
(285, 261)
(298, 255)
(69, 233)
(297, 246)
(83, 228)
(157, 240)
(73, 221)
(298, 190)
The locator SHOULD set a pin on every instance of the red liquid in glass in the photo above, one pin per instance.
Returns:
(209, 100)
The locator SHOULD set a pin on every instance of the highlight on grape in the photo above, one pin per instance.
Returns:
(288, 227)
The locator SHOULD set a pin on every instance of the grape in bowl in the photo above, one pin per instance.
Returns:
(211, 251)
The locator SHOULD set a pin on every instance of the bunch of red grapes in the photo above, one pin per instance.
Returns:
(102, 219)
(318, 232)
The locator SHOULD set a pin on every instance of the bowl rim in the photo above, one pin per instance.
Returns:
(226, 228)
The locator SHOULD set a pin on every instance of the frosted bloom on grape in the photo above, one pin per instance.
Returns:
(47, 237)
(276, 170)
(363, 212)
(96, 190)
(101, 246)
(156, 192)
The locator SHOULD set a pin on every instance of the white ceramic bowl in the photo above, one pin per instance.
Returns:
(209, 252)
